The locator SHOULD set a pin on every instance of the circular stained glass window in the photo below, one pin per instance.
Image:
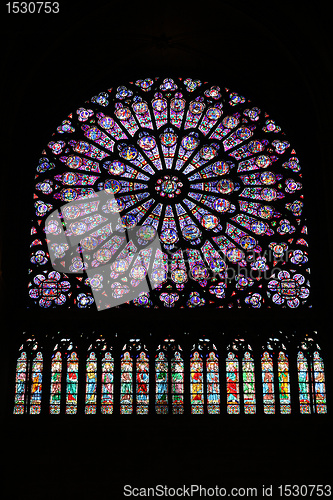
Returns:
(201, 166)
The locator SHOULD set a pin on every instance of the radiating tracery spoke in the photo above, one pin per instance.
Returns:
(199, 164)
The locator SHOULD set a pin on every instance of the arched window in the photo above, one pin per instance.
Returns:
(232, 374)
(91, 384)
(169, 379)
(311, 379)
(319, 383)
(36, 384)
(72, 383)
(107, 383)
(56, 379)
(213, 383)
(249, 393)
(196, 383)
(284, 384)
(200, 165)
(177, 387)
(303, 383)
(268, 382)
(126, 386)
(142, 383)
(20, 384)
(162, 383)
(134, 385)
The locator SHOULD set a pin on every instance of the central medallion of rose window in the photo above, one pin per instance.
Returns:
(168, 186)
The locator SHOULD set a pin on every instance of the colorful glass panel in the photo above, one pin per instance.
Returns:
(20, 384)
(232, 375)
(126, 384)
(142, 384)
(213, 383)
(177, 385)
(284, 384)
(72, 383)
(249, 393)
(268, 383)
(91, 384)
(196, 383)
(303, 383)
(107, 384)
(161, 383)
(211, 173)
(36, 384)
(319, 383)
(56, 375)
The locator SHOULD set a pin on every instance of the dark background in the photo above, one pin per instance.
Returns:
(278, 54)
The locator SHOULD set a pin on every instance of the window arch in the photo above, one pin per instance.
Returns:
(232, 374)
(91, 384)
(249, 383)
(268, 382)
(196, 384)
(311, 380)
(72, 382)
(107, 395)
(126, 387)
(199, 164)
(213, 383)
(204, 378)
(162, 383)
(240, 378)
(36, 384)
(142, 383)
(56, 380)
(177, 387)
(284, 383)
(319, 383)
(20, 384)
(169, 379)
(134, 385)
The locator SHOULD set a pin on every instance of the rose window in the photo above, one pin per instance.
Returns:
(200, 165)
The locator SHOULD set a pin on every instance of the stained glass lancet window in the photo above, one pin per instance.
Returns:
(268, 383)
(303, 383)
(142, 383)
(319, 383)
(20, 383)
(213, 383)
(107, 383)
(196, 383)
(56, 379)
(213, 174)
(36, 384)
(284, 383)
(161, 381)
(72, 383)
(232, 374)
(91, 384)
(126, 384)
(249, 394)
(177, 386)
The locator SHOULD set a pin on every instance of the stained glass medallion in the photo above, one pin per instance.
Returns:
(199, 164)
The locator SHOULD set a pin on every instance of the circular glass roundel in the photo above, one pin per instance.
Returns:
(198, 165)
